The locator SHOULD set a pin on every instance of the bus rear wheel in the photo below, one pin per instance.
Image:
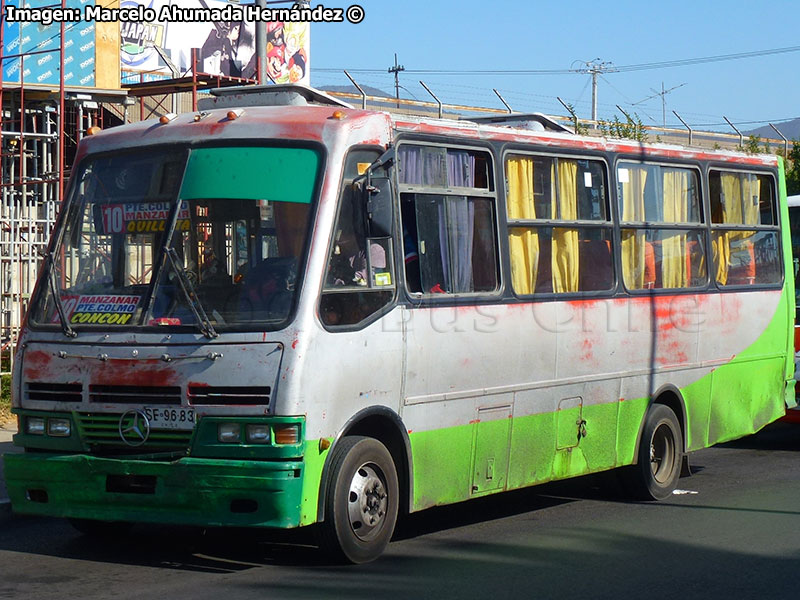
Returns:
(361, 501)
(660, 456)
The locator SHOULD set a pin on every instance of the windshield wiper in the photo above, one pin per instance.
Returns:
(189, 292)
(53, 281)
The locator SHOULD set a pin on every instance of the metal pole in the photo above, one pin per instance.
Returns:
(785, 141)
(503, 101)
(741, 137)
(685, 125)
(3, 198)
(358, 87)
(79, 133)
(571, 112)
(627, 116)
(594, 94)
(439, 102)
(194, 79)
(396, 69)
(567, 106)
(62, 117)
(261, 46)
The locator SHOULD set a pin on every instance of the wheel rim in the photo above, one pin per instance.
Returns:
(367, 502)
(662, 454)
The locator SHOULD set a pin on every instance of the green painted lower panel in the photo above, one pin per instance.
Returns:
(188, 491)
(314, 460)
(443, 458)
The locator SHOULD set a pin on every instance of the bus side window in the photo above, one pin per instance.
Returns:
(359, 276)
(744, 230)
(447, 206)
(449, 244)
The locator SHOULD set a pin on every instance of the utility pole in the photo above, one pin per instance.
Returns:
(594, 68)
(396, 69)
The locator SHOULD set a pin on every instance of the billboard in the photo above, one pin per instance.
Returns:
(41, 43)
(224, 47)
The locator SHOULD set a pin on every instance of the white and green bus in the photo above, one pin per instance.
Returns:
(282, 312)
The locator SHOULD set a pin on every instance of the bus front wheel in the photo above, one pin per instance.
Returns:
(660, 456)
(361, 500)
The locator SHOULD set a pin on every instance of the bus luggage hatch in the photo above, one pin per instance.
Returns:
(490, 449)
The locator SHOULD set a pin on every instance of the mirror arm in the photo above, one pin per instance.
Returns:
(384, 160)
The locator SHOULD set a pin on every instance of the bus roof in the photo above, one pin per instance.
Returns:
(298, 112)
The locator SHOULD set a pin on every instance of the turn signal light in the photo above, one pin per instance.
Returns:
(287, 434)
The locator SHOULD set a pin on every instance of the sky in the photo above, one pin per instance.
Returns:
(470, 36)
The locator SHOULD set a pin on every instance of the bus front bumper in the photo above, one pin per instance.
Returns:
(188, 491)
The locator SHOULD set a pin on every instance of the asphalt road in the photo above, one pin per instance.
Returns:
(732, 532)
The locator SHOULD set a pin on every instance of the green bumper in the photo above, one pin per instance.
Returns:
(189, 491)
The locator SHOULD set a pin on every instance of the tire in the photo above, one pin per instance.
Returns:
(101, 529)
(361, 502)
(660, 456)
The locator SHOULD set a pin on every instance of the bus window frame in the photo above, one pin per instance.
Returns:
(777, 227)
(702, 226)
(493, 192)
(611, 223)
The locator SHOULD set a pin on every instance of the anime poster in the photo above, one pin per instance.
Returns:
(287, 52)
(223, 47)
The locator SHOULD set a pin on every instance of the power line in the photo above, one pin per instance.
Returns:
(620, 69)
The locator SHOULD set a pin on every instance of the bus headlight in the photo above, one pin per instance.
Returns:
(229, 433)
(34, 426)
(257, 434)
(58, 427)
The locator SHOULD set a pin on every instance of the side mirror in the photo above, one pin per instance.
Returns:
(377, 199)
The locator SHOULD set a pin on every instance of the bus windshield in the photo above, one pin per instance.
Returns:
(210, 237)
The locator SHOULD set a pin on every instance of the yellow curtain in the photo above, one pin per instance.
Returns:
(751, 198)
(633, 240)
(565, 250)
(676, 210)
(523, 242)
(731, 202)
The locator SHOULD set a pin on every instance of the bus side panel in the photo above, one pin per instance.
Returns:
(442, 462)
(332, 376)
(747, 393)
(697, 400)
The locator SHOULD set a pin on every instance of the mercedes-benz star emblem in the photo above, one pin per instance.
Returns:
(134, 428)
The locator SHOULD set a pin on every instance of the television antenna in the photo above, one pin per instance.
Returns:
(663, 93)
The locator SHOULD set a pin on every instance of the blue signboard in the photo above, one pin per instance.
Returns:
(41, 45)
